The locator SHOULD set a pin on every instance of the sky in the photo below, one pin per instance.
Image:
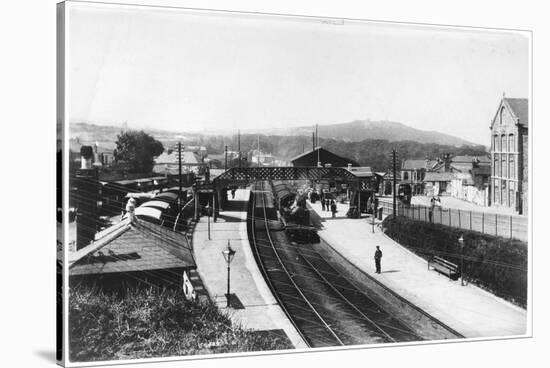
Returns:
(194, 71)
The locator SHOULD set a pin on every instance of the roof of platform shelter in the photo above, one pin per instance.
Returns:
(143, 248)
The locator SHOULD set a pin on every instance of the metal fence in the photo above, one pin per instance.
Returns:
(508, 226)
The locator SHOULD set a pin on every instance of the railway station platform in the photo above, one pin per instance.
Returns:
(261, 310)
(469, 310)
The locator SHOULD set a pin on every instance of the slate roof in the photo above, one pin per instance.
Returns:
(361, 171)
(470, 159)
(142, 248)
(520, 108)
(415, 164)
(436, 176)
(186, 157)
(326, 152)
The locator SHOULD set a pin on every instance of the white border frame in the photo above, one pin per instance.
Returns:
(174, 5)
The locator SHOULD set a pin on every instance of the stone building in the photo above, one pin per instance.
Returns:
(509, 154)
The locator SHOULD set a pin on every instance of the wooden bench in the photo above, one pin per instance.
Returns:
(445, 267)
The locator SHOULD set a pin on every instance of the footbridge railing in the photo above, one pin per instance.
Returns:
(250, 174)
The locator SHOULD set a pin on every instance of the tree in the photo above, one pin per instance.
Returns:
(138, 149)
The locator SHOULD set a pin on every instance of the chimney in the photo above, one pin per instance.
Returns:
(97, 161)
(447, 161)
(86, 157)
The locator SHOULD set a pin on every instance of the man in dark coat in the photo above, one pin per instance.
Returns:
(333, 208)
(377, 258)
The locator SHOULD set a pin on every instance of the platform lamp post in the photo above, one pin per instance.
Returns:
(461, 243)
(208, 213)
(228, 255)
(373, 211)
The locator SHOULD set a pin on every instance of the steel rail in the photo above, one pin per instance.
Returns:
(264, 271)
(346, 299)
(290, 277)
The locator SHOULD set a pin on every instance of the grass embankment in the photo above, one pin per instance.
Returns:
(494, 263)
(148, 323)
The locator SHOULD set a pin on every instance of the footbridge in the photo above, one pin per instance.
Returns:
(212, 193)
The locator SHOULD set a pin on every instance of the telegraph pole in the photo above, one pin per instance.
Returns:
(239, 144)
(225, 165)
(318, 151)
(394, 164)
(313, 147)
(180, 181)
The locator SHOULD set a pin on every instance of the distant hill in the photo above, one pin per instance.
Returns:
(346, 140)
(359, 130)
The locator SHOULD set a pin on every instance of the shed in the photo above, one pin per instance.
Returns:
(325, 157)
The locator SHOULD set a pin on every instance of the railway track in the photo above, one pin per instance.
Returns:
(325, 308)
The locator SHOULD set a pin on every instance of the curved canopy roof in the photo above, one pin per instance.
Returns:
(156, 204)
(149, 212)
(167, 195)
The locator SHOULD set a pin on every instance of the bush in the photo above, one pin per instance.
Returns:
(493, 263)
(149, 322)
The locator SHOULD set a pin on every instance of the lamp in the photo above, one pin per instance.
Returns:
(208, 212)
(228, 255)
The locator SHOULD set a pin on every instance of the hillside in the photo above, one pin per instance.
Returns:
(359, 130)
(367, 151)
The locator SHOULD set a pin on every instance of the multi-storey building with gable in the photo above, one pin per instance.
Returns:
(509, 154)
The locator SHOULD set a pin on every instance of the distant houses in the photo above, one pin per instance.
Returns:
(499, 179)
(193, 160)
(463, 177)
(103, 153)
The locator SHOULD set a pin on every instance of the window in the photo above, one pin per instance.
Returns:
(511, 145)
(405, 175)
(503, 189)
(495, 143)
(501, 115)
(503, 143)
(512, 195)
(496, 166)
(504, 172)
(496, 192)
(512, 170)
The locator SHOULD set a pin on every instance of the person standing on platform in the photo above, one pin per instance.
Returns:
(333, 208)
(130, 210)
(378, 259)
(322, 202)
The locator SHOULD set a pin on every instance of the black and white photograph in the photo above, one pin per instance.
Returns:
(246, 183)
